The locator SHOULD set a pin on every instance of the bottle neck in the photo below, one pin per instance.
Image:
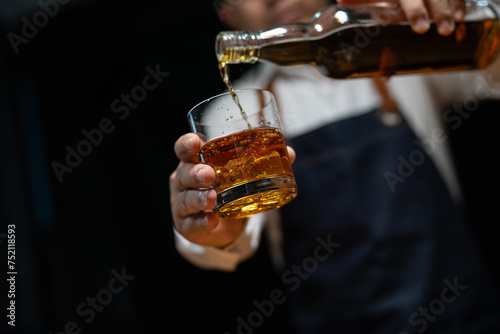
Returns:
(233, 47)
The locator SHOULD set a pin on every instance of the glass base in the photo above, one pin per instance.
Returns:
(256, 196)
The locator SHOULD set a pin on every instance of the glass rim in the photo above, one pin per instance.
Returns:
(190, 112)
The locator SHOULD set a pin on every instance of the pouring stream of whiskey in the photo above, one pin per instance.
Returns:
(224, 72)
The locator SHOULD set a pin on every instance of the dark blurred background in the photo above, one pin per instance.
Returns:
(108, 215)
(94, 240)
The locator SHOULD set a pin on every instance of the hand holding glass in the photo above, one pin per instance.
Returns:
(247, 150)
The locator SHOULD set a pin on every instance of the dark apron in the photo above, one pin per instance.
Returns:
(374, 243)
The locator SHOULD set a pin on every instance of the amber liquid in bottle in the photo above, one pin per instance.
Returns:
(358, 51)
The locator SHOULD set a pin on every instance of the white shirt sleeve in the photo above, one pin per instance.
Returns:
(227, 258)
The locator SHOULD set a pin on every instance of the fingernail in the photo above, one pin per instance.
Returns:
(421, 25)
(200, 175)
(459, 15)
(188, 144)
(446, 27)
(203, 195)
(205, 221)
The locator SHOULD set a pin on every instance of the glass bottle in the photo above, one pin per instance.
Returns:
(368, 40)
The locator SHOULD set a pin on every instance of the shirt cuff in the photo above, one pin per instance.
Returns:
(227, 258)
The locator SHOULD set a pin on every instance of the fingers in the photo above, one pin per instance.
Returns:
(188, 189)
(197, 227)
(190, 176)
(194, 219)
(443, 12)
(291, 154)
(191, 200)
(458, 9)
(194, 202)
(224, 232)
(417, 15)
(187, 148)
(194, 211)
